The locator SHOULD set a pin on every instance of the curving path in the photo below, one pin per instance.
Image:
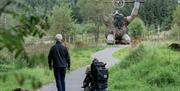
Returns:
(74, 79)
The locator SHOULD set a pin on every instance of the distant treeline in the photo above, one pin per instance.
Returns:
(152, 12)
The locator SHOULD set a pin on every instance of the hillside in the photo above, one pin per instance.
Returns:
(150, 67)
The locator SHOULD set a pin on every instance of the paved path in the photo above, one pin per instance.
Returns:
(75, 78)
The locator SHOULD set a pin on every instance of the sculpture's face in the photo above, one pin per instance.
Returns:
(119, 18)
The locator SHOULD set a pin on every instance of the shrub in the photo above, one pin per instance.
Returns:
(137, 28)
(134, 57)
(175, 29)
(176, 16)
(3, 77)
(79, 44)
(5, 68)
(60, 20)
(175, 32)
(20, 63)
(21, 77)
(37, 60)
(35, 82)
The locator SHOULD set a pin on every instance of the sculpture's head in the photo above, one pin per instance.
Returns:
(117, 13)
(119, 19)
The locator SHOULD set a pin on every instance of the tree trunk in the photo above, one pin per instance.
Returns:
(66, 37)
(96, 36)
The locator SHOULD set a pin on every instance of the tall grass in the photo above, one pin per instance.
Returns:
(17, 72)
(82, 56)
(25, 78)
(147, 68)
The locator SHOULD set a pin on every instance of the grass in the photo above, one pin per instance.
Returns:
(150, 67)
(121, 54)
(27, 78)
(34, 73)
(81, 57)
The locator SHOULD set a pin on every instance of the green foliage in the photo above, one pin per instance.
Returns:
(25, 78)
(36, 83)
(27, 23)
(79, 28)
(175, 29)
(42, 6)
(158, 12)
(94, 9)
(76, 14)
(176, 16)
(121, 54)
(16, 73)
(7, 21)
(85, 31)
(61, 21)
(154, 12)
(36, 60)
(134, 57)
(20, 78)
(90, 27)
(79, 44)
(161, 77)
(82, 56)
(147, 68)
(19, 63)
(137, 28)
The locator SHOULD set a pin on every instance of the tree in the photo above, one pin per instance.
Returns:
(61, 21)
(137, 28)
(94, 11)
(175, 30)
(176, 16)
(42, 6)
(154, 12)
(158, 12)
(28, 23)
(76, 14)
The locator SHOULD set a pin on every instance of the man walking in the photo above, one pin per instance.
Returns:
(59, 60)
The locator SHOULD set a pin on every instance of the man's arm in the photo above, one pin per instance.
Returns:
(50, 59)
(135, 11)
(68, 59)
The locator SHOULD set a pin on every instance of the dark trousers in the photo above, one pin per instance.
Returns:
(101, 90)
(59, 73)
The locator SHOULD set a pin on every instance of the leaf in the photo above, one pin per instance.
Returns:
(1, 47)
(18, 53)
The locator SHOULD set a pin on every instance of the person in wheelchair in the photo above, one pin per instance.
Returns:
(96, 77)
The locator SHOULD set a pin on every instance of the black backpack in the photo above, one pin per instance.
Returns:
(99, 74)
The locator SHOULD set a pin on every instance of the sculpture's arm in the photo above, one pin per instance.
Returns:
(134, 12)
